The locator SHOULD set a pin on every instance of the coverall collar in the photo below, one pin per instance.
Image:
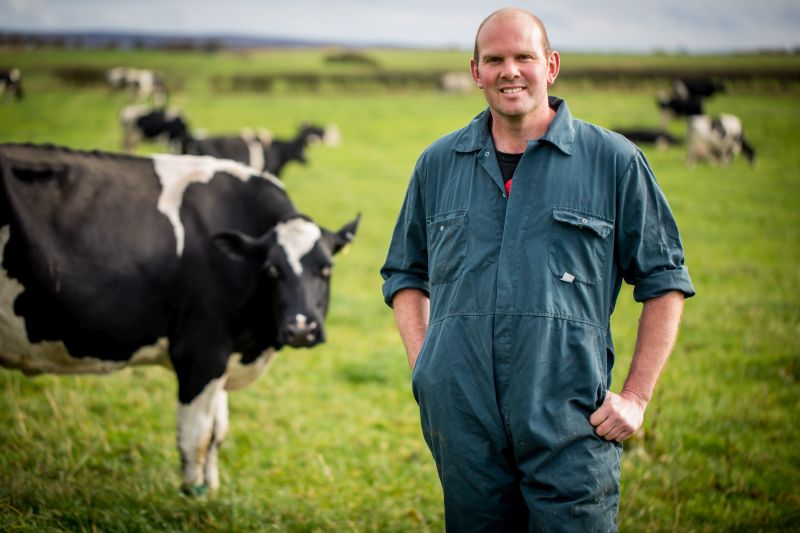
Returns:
(560, 133)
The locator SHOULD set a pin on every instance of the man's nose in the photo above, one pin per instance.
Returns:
(510, 69)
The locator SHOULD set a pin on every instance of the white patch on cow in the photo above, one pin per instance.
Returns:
(130, 113)
(240, 376)
(49, 357)
(300, 320)
(297, 237)
(177, 172)
(731, 124)
(197, 424)
(256, 153)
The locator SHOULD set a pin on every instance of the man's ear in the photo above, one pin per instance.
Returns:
(553, 66)
(240, 247)
(343, 237)
(473, 68)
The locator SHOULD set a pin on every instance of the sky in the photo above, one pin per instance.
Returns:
(572, 25)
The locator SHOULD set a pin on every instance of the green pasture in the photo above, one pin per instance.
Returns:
(328, 439)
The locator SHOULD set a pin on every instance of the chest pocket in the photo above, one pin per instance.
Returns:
(578, 244)
(447, 245)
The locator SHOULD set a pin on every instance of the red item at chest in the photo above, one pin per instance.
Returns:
(508, 187)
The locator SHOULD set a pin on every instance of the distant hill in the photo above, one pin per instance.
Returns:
(129, 40)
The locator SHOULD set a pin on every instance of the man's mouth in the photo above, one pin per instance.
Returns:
(511, 90)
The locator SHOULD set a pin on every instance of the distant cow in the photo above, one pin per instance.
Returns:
(144, 123)
(197, 264)
(717, 140)
(11, 82)
(697, 88)
(261, 151)
(142, 83)
(677, 106)
(660, 138)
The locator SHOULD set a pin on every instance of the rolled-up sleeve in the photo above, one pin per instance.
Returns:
(648, 245)
(406, 265)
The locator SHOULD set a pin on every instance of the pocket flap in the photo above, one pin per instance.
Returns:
(581, 219)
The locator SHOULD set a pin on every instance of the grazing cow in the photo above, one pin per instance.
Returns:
(144, 123)
(142, 83)
(11, 81)
(197, 264)
(261, 151)
(660, 138)
(697, 88)
(688, 97)
(676, 106)
(717, 140)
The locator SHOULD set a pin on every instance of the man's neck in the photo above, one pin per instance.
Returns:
(512, 136)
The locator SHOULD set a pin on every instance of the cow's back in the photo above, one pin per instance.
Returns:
(87, 256)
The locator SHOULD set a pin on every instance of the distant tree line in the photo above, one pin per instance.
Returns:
(109, 42)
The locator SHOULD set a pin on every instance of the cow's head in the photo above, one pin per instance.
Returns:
(311, 134)
(296, 260)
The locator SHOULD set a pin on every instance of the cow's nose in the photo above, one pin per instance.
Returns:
(301, 332)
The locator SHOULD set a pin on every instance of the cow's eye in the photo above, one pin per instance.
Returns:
(326, 271)
(273, 272)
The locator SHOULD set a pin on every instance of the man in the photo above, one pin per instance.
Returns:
(502, 292)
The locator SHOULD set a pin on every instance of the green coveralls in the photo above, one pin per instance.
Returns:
(518, 351)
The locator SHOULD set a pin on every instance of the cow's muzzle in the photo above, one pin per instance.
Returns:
(301, 331)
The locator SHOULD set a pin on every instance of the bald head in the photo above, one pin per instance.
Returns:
(512, 12)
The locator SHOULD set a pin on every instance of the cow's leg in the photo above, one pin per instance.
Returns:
(197, 422)
(218, 433)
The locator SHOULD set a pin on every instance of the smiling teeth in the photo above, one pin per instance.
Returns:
(511, 91)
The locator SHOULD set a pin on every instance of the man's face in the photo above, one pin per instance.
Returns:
(513, 68)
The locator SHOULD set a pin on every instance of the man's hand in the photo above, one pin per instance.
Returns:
(619, 417)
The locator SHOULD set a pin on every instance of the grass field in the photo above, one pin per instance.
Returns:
(329, 439)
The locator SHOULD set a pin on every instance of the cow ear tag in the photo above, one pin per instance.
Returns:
(569, 278)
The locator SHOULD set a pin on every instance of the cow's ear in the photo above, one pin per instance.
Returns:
(344, 236)
(240, 247)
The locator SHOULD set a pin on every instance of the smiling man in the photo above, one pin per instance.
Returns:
(503, 294)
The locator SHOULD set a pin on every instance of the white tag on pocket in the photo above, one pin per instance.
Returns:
(569, 278)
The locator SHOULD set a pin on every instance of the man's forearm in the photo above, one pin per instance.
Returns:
(658, 330)
(622, 414)
(411, 311)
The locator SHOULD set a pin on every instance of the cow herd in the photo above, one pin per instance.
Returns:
(150, 120)
(713, 139)
(200, 263)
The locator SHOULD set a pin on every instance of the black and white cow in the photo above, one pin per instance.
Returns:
(716, 140)
(673, 106)
(143, 84)
(660, 138)
(11, 82)
(141, 122)
(701, 87)
(688, 97)
(260, 150)
(197, 264)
